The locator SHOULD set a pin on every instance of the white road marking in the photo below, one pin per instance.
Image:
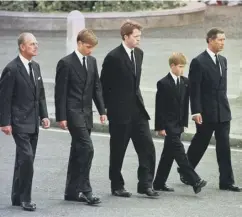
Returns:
(107, 136)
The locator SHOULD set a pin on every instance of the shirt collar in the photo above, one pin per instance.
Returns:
(24, 60)
(127, 49)
(211, 53)
(80, 56)
(174, 77)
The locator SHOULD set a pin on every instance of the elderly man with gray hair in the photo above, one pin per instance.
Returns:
(23, 105)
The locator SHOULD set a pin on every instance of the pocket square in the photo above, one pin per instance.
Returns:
(39, 78)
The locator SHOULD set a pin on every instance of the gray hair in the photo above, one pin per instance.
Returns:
(22, 37)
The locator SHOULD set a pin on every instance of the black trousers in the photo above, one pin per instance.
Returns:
(24, 167)
(200, 143)
(174, 149)
(138, 131)
(80, 161)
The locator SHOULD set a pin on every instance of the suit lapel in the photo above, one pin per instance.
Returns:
(182, 88)
(77, 65)
(173, 87)
(214, 73)
(25, 74)
(138, 66)
(212, 64)
(36, 76)
(89, 71)
(222, 66)
(127, 60)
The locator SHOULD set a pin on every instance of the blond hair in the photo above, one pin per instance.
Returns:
(87, 36)
(177, 58)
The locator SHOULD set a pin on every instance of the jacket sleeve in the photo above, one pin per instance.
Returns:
(106, 77)
(97, 92)
(43, 112)
(195, 79)
(7, 82)
(186, 105)
(160, 120)
(61, 84)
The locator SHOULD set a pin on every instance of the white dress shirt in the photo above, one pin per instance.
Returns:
(175, 77)
(25, 62)
(80, 56)
(212, 55)
(128, 50)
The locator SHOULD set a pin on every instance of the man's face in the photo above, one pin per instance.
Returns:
(29, 47)
(84, 48)
(133, 39)
(217, 44)
(177, 69)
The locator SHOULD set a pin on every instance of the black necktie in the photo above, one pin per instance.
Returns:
(31, 74)
(178, 85)
(84, 64)
(132, 60)
(217, 64)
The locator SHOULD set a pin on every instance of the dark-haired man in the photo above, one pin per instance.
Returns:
(210, 107)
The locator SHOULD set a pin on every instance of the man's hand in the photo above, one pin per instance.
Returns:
(197, 118)
(63, 125)
(103, 118)
(45, 123)
(162, 133)
(7, 130)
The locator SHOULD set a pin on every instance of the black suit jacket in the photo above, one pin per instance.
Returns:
(75, 90)
(121, 85)
(209, 89)
(171, 105)
(22, 103)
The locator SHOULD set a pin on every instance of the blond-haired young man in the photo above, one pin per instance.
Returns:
(77, 84)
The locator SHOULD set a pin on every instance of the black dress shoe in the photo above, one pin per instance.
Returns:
(89, 198)
(71, 198)
(230, 188)
(28, 206)
(182, 178)
(199, 185)
(164, 188)
(121, 193)
(149, 192)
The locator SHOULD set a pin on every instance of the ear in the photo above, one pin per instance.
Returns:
(210, 40)
(21, 46)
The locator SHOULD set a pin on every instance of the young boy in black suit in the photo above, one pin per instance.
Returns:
(171, 116)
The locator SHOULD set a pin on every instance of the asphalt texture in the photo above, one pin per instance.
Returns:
(50, 176)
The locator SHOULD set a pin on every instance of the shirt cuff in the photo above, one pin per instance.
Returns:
(195, 114)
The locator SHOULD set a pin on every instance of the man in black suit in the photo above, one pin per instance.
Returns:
(77, 84)
(210, 108)
(171, 116)
(128, 118)
(23, 103)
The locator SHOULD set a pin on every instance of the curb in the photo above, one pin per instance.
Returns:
(235, 141)
(193, 12)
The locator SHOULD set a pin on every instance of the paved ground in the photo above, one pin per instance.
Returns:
(158, 45)
(50, 175)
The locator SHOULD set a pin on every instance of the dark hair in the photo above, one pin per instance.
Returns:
(128, 26)
(212, 33)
